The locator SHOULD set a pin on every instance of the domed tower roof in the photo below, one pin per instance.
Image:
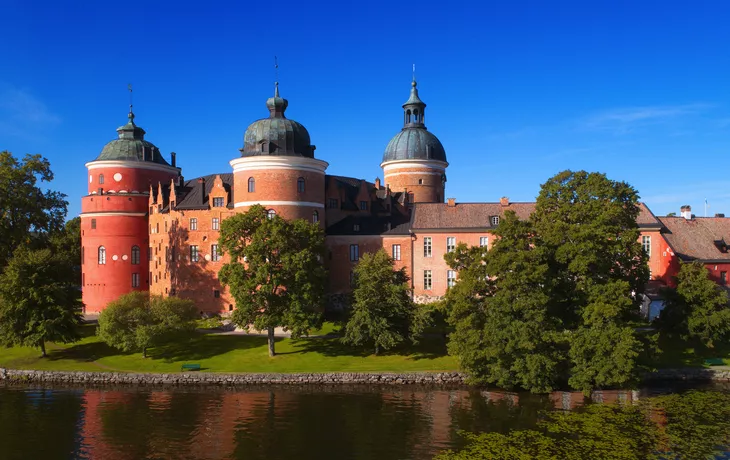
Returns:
(131, 145)
(414, 142)
(277, 135)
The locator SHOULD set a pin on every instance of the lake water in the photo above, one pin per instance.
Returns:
(262, 423)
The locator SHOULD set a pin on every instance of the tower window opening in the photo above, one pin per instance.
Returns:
(315, 217)
(270, 214)
(102, 255)
(251, 185)
(93, 224)
(101, 179)
(300, 185)
(135, 255)
(420, 181)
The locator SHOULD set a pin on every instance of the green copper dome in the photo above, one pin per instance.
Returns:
(131, 146)
(277, 135)
(414, 142)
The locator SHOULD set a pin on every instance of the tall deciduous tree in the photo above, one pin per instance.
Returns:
(276, 272)
(67, 243)
(697, 309)
(383, 314)
(29, 213)
(39, 300)
(137, 321)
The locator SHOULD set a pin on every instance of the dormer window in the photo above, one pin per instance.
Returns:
(218, 202)
(495, 221)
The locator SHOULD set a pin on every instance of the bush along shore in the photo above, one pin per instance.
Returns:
(329, 378)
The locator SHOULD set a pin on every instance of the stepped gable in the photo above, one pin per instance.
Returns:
(190, 195)
(698, 238)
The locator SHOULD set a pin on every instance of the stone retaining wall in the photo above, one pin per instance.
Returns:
(209, 378)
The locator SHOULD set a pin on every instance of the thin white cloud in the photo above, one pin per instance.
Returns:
(628, 119)
(22, 114)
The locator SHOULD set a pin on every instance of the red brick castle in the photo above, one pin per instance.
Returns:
(145, 228)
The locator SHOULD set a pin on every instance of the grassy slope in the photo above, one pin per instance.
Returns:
(231, 353)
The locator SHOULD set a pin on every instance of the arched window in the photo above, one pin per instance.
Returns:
(415, 116)
(101, 179)
(135, 255)
(408, 116)
(315, 217)
(300, 185)
(102, 255)
(270, 214)
(251, 185)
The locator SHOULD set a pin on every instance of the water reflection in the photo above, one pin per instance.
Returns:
(263, 423)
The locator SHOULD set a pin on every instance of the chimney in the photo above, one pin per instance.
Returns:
(504, 201)
(377, 183)
(201, 181)
(173, 155)
(686, 212)
(451, 202)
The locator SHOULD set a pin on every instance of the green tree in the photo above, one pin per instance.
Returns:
(586, 224)
(137, 321)
(383, 314)
(276, 272)
(29, 213)
(67, 243)
(697, 308)
(39, 300)
(500, 296)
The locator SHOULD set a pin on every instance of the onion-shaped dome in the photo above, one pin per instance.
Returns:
(414, 142)
(131, 146)
(277, 135)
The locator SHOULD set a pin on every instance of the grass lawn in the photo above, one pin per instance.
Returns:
(232, 353)
(679, 353)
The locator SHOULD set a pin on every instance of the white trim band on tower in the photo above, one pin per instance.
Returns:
(132, 165)
(406, 164)
(310, 204)
(113, 214)
(416, 173)
(271, 162)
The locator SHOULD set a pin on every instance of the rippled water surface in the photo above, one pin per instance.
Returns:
(261, 423)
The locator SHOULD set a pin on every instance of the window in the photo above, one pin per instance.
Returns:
(93, 224)
(135, 279)
(450, 278)
(82, 255)
(723, 278)
(495, 221)
(149, 254)
(193, 253)
(483, 241)
(354, 253)
(157, 227)
(270, 214)
(646, 244)
(172, 254)
(363, 206)
(300, 185)
(167, 253)
(215, 256)
(135, 255)
(218, 202)
(216, 293)
(165, 226)
(332, 203)
(149, 280)
(420, 181)
(356, 228)
(427, 246)
(193, 223)
(251, 185)
(216, 223)
(450, 244)
(396, 252)
(427, 280)
(315, 217)
(102, 255)
(101, 179)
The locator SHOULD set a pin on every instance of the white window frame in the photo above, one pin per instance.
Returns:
(450, 243)
(395, 251)
(646, 244)
(101, 255)
(215, 254)
(217, 200)
(427, 246)
(450, 278)
(354, 252)
(194, 253)
(494, 221)
(193, 223)
(483, 241)
(216, 223)
(427, 280)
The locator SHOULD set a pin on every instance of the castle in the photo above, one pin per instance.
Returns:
(145, 228)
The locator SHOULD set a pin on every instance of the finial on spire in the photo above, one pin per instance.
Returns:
(131, 114)
(276, 73)
(276, 89)
(414, 74)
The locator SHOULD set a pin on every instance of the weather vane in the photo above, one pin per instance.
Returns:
(129, 87)
(414, 72)
(276, 68)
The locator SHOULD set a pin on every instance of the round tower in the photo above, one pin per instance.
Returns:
(114, 216)
(277, 168)
(414, 161)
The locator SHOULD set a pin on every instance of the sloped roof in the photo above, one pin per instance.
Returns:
(700, 238)
(191, 196)
(396, 224)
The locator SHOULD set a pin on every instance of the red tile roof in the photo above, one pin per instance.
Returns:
(434, 216)
(696, 238)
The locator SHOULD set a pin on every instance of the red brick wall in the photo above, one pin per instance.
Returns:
(431, 189)
(133, 179)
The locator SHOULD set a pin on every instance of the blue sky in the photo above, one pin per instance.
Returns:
(516, 90)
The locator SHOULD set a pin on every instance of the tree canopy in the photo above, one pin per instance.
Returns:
(137, 321)
(276, 272)
(39, 299)
(29, 213)
(697, 308)
(383, 314)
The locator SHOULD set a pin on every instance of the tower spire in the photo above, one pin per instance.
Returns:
(131, 113)
(276, 72)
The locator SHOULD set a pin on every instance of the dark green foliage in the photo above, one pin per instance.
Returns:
(29, 213)
(137, 321)
(276, 272)
(39, 300)
(383, 314)
(697, 309)
(67, 243)
(673, 427)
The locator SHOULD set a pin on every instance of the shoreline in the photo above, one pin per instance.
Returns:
(324, 378)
